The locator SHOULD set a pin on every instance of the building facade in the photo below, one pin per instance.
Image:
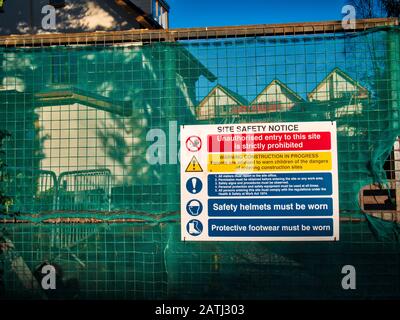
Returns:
(62, 16)
(75, 110)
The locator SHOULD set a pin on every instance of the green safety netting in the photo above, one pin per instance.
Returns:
(93, 163)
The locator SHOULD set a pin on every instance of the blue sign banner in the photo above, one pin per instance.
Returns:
(270, 227)
(269, 184)
(270, 207)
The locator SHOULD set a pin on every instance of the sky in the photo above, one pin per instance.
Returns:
(209, 13)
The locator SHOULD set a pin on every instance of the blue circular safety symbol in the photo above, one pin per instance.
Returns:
(194, 227)
(194, 185)
(194, 207)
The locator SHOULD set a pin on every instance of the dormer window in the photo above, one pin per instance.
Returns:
(160, 12)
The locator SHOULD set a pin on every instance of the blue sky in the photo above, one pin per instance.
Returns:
(208, 13)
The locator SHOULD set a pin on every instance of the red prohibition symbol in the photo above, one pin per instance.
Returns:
(193, 143)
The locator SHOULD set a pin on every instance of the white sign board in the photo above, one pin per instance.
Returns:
(259, 182)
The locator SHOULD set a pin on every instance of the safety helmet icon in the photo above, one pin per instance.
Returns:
(194, 207)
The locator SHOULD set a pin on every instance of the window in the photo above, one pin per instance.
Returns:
(57, 3)
(160, 13)
(1, 5)
(64, 69)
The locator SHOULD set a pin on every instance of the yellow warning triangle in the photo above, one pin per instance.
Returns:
(194, 166)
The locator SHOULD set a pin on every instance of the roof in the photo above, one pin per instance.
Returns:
(195, 64)
(287, 90)
(235, 96)
(342, 74)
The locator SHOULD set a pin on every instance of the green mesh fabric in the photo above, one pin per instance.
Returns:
(94, 139)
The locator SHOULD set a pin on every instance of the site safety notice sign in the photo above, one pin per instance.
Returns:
(259, 182)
